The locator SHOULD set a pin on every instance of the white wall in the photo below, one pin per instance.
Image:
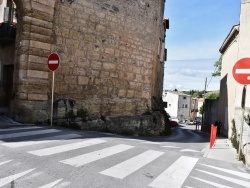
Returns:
(2, 5)
(172, 100)
(184, 107)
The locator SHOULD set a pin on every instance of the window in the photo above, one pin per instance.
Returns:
(184, 97)
(169, 105)
(186, 106)
(165, 104)
(183, 106)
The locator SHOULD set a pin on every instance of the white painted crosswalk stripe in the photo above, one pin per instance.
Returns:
(126, 168)
(18, 129)
(41, 140)
(233, 180)
(240, 174)
(5, 162)
(50, 185)
(9, 179)
(190, 150)
(67, 147)
(174, 147)
(212, 183)
(176, 174)
(29, 133)
(149, 142)
(96, 155)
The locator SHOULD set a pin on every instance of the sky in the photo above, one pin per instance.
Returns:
(197, 31)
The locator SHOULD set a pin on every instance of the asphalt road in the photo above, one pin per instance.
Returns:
(40, 156)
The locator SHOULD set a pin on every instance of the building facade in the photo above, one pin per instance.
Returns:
(235, 48)
(177, 105)
(111, 53)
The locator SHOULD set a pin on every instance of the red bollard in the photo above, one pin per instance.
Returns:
(213, 135)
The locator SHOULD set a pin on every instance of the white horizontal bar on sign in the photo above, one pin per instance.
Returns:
(67, 147)
(129, 166)
(176, 174)
(242, 71)
(53, 62)
(96, 155)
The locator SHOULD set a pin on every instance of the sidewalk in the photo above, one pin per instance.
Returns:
(222, 150)
(7, 122)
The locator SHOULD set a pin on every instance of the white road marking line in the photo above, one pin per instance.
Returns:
(9, 179)
(175, 147)
(240, 174)
(4, 162)
(55, 62)
(242, 71)
(50, 185)
(233, 180)
(96, 155)
(41, 140)
(17, 129)
(149, 142)
(176, 174)
(129, 166)
(190, 150)
(67, 147)
(29, 133)
(212, 183)
(133, 139)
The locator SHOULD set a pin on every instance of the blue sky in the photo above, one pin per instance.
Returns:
(197, 31)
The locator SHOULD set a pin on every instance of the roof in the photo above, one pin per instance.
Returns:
(178, 93)
(230, 37)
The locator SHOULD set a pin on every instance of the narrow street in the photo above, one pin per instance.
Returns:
(43, 156)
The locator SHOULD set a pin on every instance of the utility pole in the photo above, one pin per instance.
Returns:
(202, 122)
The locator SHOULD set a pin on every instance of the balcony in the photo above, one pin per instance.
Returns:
(7, 33)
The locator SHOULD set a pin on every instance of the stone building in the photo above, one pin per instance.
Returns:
(111, 51)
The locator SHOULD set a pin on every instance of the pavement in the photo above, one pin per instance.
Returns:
(222, 150)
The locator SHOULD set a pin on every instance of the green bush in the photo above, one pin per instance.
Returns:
(234, 136)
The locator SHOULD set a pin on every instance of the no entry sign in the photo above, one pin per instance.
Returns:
(53, 61)
(241, 71)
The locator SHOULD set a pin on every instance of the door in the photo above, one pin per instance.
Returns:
(8, 72)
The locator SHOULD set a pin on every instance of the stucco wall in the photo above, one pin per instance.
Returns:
(227, 87)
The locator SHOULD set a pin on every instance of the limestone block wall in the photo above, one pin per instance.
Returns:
(109, 54)
(33, 45)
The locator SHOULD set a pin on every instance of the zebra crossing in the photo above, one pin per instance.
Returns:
(174, 175)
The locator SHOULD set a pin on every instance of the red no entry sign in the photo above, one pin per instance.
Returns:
(241, 71)
(53, 61)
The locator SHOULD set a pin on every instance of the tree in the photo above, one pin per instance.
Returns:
(213, 96)
(217, 66)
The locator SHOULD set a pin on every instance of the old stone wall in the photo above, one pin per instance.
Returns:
(109, 54)
(109, 50)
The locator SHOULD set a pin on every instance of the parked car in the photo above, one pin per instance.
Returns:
(173, 122)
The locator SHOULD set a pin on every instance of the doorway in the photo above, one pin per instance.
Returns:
(8, 72)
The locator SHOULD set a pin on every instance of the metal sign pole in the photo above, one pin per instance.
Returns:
(52, 98)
